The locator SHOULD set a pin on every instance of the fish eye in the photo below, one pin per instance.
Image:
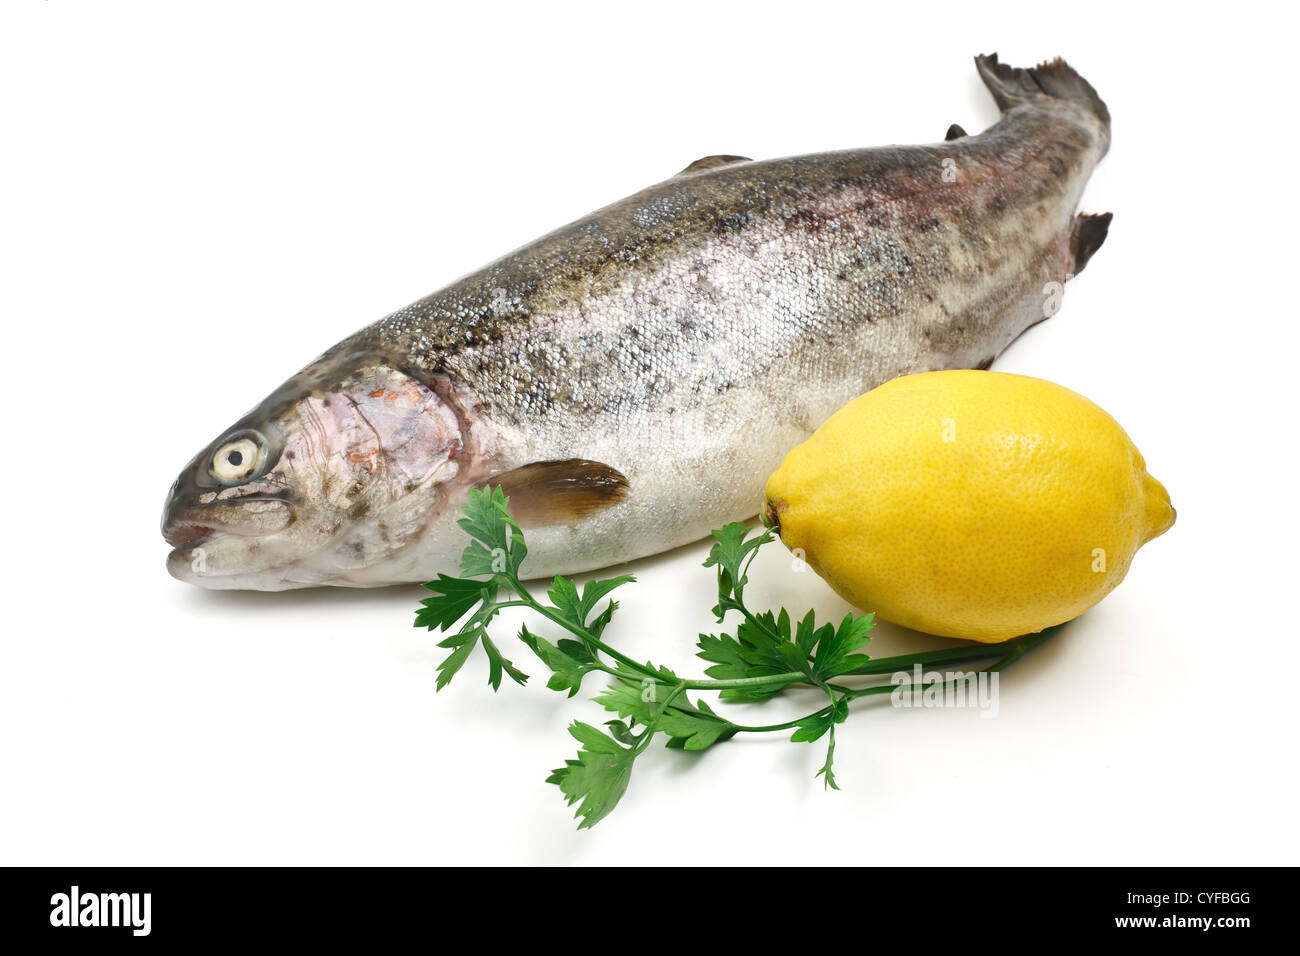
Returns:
(238, 458)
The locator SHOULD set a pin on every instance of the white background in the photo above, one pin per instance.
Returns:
(199, 198)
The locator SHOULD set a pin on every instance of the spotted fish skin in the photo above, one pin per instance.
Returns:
(688, 336)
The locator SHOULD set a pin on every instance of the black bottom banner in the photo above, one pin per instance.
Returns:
(133, 907)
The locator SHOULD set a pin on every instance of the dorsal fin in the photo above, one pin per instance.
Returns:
(954, 132)
(713, 162)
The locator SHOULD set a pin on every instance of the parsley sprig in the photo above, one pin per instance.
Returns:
(768, 653)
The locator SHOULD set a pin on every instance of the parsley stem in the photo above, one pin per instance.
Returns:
(1004, 654)
(1012, 651)
(769, 728)
(956, 655)
(582, 633)
(654, 721)
(742, 683)
(737, 683)
(1015, 653)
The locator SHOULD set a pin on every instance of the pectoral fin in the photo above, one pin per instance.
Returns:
(556, 492)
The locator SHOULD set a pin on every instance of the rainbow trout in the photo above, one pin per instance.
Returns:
(631, 379)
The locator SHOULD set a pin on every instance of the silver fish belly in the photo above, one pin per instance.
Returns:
(635, 376)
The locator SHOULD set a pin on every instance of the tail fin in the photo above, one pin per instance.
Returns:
(1014, 85)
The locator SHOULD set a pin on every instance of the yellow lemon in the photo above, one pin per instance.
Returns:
(969, 504)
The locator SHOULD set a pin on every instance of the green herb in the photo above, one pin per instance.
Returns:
(768, 653)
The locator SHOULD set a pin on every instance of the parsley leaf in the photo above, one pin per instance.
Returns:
(836, 646)
(825, 772)
(498, 543)
(598, 778)
(456, 597)
(728, 554)
(688, 726)
(815, 726)
(762, 647)
(498, 663)
(569, 661)
(575, 608)
(463, 643)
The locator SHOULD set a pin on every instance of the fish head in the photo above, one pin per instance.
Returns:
(333, 474)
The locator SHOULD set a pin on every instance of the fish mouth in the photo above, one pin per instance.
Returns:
(185, 532)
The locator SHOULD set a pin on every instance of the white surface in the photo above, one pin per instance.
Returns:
(198, 199)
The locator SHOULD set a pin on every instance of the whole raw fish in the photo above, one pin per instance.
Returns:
(632, 378)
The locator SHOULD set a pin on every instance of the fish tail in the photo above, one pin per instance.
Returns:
(1012, 86)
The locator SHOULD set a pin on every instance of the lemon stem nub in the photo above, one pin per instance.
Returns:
(770, 518)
